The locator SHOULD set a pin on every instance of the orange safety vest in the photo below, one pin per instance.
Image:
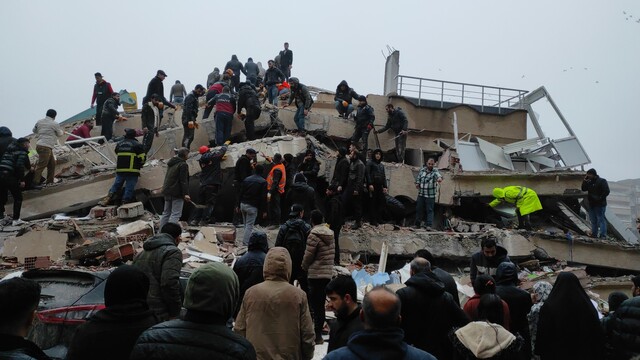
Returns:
(283, 179)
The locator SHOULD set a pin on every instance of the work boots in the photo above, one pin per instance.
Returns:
(108, 200)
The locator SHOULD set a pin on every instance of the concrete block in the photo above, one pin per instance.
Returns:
(122, 252)
(135, 231)
(131, 210)
(36, 243)
(100, 212)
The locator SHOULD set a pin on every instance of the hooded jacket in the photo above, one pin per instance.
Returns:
(176, 181)
(15, 161)
(156, 87)
(235, 65)
(249, 266)
(429, 314)
(251, 69)
(480, 264)
(345, 95)
(483, 340)
(161, 260)
(213, 77)
(320, 253)
(374, 344)
(374, 172)
(300, 94)
(247, 98)
(274, 315)
(598, 190)
(6, 138)
(364, 117)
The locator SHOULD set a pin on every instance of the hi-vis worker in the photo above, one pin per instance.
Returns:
(525, 199)
(131, 157)
(275, 189)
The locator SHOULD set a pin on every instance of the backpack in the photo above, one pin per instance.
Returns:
(295, 242)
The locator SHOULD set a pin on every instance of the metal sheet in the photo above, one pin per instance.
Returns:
(471, 157)
(571, 151)
(494, 154)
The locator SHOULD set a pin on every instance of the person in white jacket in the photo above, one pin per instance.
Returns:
(47, 132)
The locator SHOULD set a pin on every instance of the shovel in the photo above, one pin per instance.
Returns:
(197, 206)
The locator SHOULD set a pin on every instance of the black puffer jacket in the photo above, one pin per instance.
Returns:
(310, 170)
(429, 314)
(156, 87)
(161, 260)
(6, 138)
(624, 329)
(190, 340)
(345, 95)
(242, 169)
(480, 264)
(247, 98)
(190, 112)
(341, 172)
(15, 161)
(176, 181)
(249, 266)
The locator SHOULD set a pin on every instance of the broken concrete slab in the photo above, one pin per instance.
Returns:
(36, 243)
(139, 230)
(95, 248)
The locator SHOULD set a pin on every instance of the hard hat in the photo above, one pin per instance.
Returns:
(203, 149)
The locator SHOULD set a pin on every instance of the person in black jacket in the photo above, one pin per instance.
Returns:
(156, 87)
(519, 302)
(14, 165)
(310, 167)
(341, 170)
(210, 299)
(344, 98)
(486, 260)
(131, 157)
(429, 313)
(446, 278)
(397, 121)
(111, 332)
(354, 188)
(363, 124)
(623, 328)
(6, 138)
(150, 121)
(225, 104)
(252, 201)
(377, 186)
(19, 299)
(249, 266)
(598, 190)
(102, 90)
(189, 115)
(296, 251)
(236, 66)
(303, 101)
(301, 193)
(290, 168)
(272, 78)
(175, 187)
(109, 115)
(248, 99)
(243, 169)
(343, 300)
(286, 60)
(251, 71)
(210, 183)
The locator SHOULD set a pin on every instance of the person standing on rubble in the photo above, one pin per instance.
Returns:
(248, 99)
(156, 87)
(150, 121)
(244, 167)
(252, 72)
(364, 120)
(272, 78)
(341, 170)
(215, 89)
(525, 199)
(317, 263)
(225, 104)
(101, 92)
(310, 167)
(276, 180)
(161, 261)
(236, 66)
(110, 114)
(519, 302)
(377, 186)
(274, 315)
(213, 77)
(344, 98)
(249, 266)
(355, 186)
(175, 188)
(301, 193)
(300, 94)
(334, 209)
(131, 157)
(14, 165)
(210, 183)
(177, 93)
(598, 190)
(343, 300)
(252, 201)
(486, 260)
(190, 114)
(292, 236)
(397, 121)
(286, 61)
(427, 183)
(428, 312)
(47, 132)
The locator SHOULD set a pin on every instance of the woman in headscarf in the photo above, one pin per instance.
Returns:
(541, 291)
(568, 325)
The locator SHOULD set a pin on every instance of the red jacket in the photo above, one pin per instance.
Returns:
(83, 131)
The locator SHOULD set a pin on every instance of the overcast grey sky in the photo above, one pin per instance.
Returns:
(50, 50)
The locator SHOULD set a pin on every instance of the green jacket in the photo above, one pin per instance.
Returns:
(161, 260)
(176, 181)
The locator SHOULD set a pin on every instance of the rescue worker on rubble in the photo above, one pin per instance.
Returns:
(300, 94)
(525, 199)
(252, 72)
(486, 260)
(344, 98)
(110, 114)
(156, 87)
(377, 186)
(150, 121)
(14, 165)
(364, 120)
(131, 157)
(189, 115)
(210, 183)
(355, 186)
(47, 132)
(215, 89)
(248, 99)
(276, 181)
(236, 66)
(397, 121)
(213, 77)
(225, 104)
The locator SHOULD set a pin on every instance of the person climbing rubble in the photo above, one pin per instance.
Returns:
(364, 120)
(303, 101)
(397, 121)
(210, 183)
(150, 118)
(47, 132)
(190, 114)
(131, 157)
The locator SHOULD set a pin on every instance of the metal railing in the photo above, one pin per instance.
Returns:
(458, 93)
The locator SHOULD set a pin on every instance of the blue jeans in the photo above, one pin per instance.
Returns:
(172, 210)
(596, 216)
(342, 109)
(273, 95)
(129, 180)
(424, 205)
(223, 127)
(178, 99)
(249, 215)
(298, 118)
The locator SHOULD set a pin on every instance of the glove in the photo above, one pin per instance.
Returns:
(227, 142)
(345, 104)
(190, 125)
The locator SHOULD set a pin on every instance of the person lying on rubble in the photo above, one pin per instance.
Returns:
(131, 157)
(486, 260)
(486, 338)
(525, 199)
(344, 98)
(111, 332)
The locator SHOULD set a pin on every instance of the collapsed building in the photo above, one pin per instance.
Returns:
(478, 134)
